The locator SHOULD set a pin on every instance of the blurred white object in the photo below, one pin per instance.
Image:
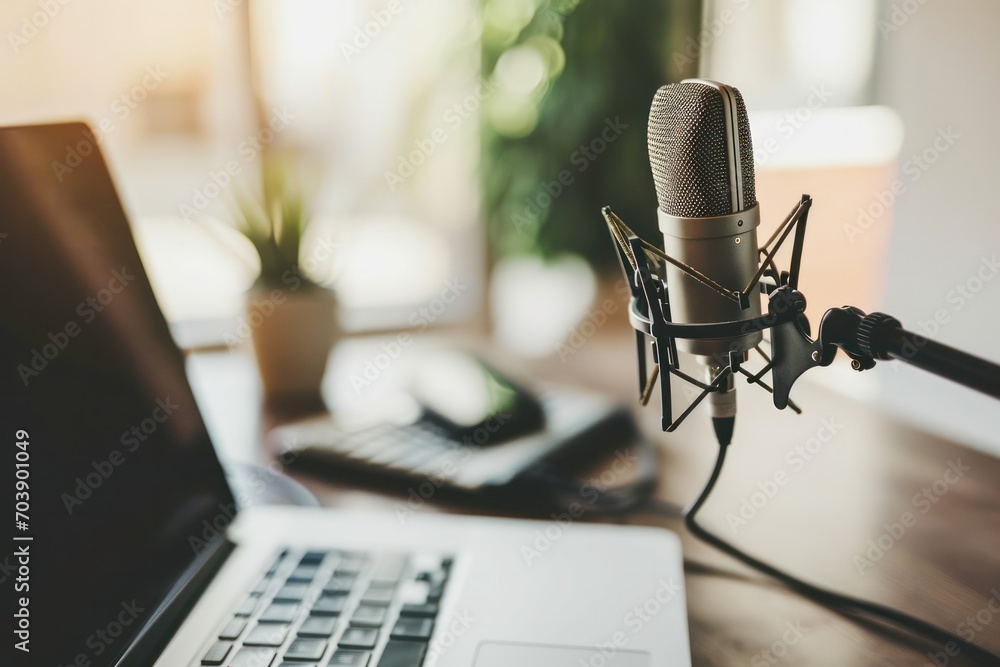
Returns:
(811, 136)
(535, 305)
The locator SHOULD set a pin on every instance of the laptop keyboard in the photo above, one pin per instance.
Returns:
(335, 608)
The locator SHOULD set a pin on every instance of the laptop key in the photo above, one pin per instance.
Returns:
(306, 650)
(389, 569)
(267, 635)
(248, 607)
(432, 576)
(279, 613)
(291, 593)
(369, 617)
(303, 574)
(349, 659)
(339, 584)
(277, 563)
(349, 566)
(413, 628)
(376, 595)
(329, 605)
(252, 657)
(435, 593)
(312, 558)
(318, 626)
(358, 638)
(421, 609)
(402, 653)
(217, 654)
(233, 628)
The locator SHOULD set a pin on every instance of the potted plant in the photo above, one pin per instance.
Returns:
(292, 319)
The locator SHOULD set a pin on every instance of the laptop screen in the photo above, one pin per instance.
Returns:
(119, 489)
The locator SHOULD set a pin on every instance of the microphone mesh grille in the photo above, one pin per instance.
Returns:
(687, 151)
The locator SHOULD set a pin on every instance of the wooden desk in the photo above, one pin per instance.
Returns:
(823, 494)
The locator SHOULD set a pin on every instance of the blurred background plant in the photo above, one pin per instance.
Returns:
(275, 222)
(570, 71)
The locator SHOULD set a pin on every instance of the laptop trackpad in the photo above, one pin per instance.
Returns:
(533, 655)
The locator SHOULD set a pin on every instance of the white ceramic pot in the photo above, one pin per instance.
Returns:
(536, 305)
(293, 332)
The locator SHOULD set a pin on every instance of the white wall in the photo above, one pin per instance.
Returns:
(939, 70)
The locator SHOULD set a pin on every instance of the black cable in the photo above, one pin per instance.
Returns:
(841, 602)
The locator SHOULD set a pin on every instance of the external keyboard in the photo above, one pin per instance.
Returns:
(583, 423)
(335, 608)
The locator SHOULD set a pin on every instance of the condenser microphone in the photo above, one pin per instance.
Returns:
(702, 160)
(702, 294)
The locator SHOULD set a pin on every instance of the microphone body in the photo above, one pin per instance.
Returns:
(724, 248)
(701, 156)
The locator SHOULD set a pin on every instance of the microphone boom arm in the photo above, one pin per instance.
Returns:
(867, 339)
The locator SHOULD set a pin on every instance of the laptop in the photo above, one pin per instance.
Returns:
(129, 548)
